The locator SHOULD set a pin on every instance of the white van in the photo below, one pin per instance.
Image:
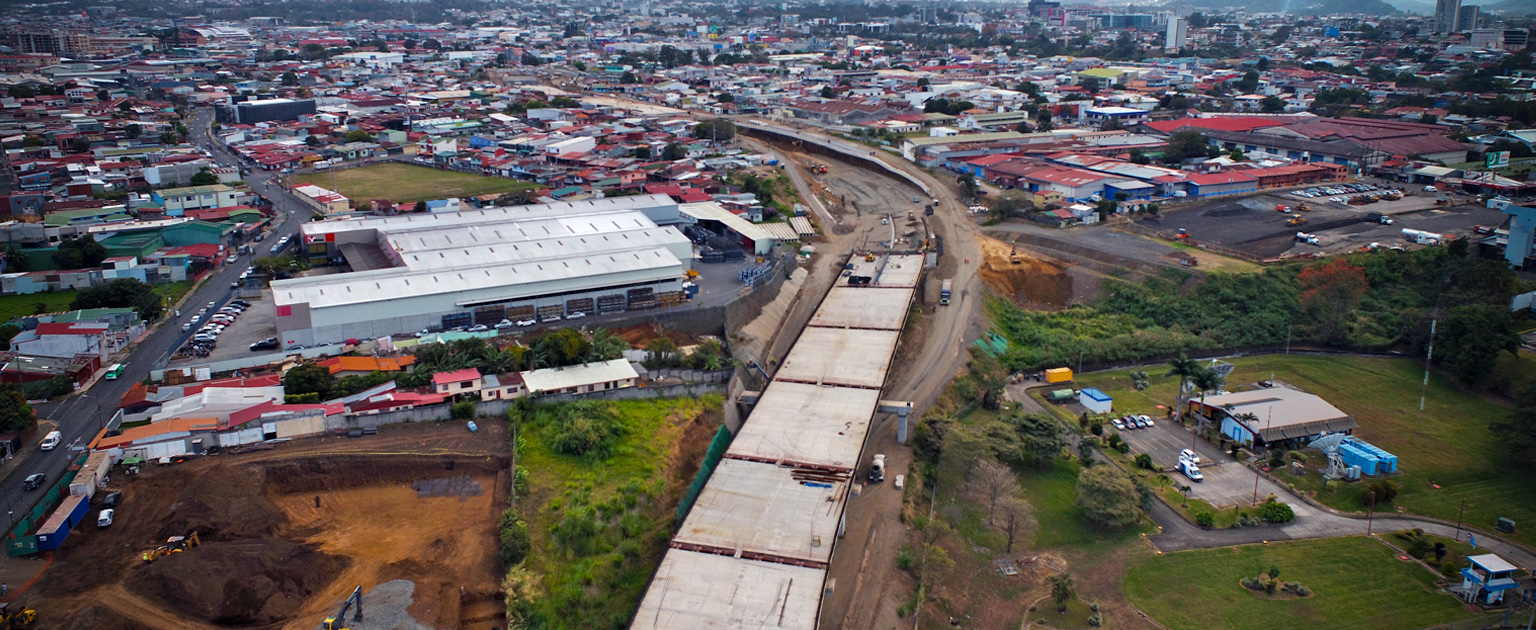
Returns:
(51, 441)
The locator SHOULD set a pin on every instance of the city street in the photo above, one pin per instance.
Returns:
(79, 417)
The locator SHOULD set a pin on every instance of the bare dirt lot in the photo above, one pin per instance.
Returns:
(1031, 283)
(287, 533)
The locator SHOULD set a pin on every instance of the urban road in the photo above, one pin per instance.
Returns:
(81, 416)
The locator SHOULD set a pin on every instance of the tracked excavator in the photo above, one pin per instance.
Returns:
(354, 601)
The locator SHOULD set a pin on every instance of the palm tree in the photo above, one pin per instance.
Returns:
(1185, 368)
(536, 357)
(1204, 380)
(607, 346)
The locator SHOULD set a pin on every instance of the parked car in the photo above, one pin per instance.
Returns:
(112, 499)
(504, 324)
(479, 328)
(1146, 421)
(270, 343)
(1118, 424)
(104, 518)
(204, 337)
(1130, 422)
(524, 323)
(576, 315)
(1190, 456)
(33, 481)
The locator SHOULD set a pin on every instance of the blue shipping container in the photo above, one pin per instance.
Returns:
(56, 528)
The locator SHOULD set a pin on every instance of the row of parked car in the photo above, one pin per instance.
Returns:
(1335, 189)
(503, 324)
(1132, 421)
(219, 320)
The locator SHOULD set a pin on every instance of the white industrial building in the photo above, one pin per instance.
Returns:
(442, 270)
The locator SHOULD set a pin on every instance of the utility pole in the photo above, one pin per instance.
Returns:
(1459, 514)
(1287, 338)
(1267, 421)
(1430, 356)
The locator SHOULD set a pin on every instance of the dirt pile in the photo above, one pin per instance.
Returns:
(1031, 283)
(101, 618)
(224, 503)
(238, 583)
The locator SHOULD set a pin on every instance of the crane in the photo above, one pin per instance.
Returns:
(337, 622)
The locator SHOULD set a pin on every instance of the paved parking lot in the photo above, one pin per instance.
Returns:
(256, 324)
(1252, 224)
(1226, 482)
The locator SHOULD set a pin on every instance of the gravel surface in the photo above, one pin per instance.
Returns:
(384, 608)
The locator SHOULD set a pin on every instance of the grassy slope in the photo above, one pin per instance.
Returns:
(1448, 443)
(12, 306)
(602, 589)
(1358, 583)
(404, 183)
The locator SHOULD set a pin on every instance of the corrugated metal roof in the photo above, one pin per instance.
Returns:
(802, 226)
(712, 211)
(555, 379)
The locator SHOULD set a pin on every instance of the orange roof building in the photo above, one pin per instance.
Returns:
(357, 366)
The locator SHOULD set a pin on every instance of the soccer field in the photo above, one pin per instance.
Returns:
(405, 183)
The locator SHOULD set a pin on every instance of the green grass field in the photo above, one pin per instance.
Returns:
(405, 183)
(616, 512)
(1358, 583)
(13, 306)
(1448, 443)
(1053, 493)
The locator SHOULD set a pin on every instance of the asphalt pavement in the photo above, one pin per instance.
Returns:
(80, 416)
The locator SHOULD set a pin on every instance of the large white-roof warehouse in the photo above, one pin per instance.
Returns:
(441, 270)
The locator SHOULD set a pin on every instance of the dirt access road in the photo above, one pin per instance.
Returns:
(869, 588)
(286, 533)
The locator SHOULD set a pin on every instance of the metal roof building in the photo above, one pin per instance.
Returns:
(442, 270)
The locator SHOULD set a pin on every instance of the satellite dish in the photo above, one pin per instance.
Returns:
(1329, 445)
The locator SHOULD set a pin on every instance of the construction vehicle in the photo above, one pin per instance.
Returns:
(869, 257)
(174, 544)
(692, 274)
(818, 168)
(1301, 207)
(1183, 234)
(1295, 221)
(1282, 208)
(1013, 256)
(338, 622)
(17, 617)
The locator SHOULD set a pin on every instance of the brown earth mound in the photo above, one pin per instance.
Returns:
(100, 618)
(1031, 283)
(238, 583)
(224, 503)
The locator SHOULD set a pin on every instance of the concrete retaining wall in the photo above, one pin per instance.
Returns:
(859, 155)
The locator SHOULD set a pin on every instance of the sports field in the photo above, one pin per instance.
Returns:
(406, 183)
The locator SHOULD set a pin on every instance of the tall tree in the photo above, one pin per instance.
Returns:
(15, 413)
(1471, 338)
(1329, 293)
(1517, 434)
(1015, 518)
(989, 481)
(1107, 497)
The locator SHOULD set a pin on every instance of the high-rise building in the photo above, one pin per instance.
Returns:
(1178, 34)
(1466, 18)
(1049, 9)
(1446, 13)
(1516, 38)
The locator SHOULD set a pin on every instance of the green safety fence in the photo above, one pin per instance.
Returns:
(712, 457)
(19, 542)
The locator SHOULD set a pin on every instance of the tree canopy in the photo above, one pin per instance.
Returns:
(1107, 497)
(121, 293)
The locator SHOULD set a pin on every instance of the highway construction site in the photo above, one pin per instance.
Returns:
(283, 536)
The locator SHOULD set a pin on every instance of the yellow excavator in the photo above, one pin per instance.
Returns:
(1013, 256)
(16, 617)
(174, 544)
(355, 600)
(1296, 220)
